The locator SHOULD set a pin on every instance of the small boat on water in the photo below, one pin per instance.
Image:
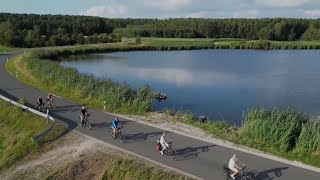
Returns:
(160, 95)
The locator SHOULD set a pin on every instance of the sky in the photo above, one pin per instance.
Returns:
(168, 8)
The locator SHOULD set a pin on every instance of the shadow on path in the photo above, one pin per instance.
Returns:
(139, 137)
(65, 121)
(191, 152)
(68, 108)
(267, 174)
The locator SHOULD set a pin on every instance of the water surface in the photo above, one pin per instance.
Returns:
(221, 84)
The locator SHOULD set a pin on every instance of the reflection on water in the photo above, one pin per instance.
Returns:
(220, 84)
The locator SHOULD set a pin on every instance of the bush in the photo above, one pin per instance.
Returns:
(277, 130)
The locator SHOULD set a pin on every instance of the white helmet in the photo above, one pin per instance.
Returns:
(83, 108)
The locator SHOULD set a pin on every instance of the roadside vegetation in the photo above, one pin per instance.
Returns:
(4, 49)
(16, 129)
(85, 89)
(285, 133)
(113, 166)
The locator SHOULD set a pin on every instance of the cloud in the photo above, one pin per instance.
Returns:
(168, 4)
(246, 14)
(225, 14)
(315, 13)
(283, 3)
(108, 11)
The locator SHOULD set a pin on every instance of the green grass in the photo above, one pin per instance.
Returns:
(227, 43)
(4, 49)
(85, 88)
(16, 129)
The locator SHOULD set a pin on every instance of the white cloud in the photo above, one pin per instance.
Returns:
(168, 4)
(283, 3)
(108, 11)
(315, 13)
(246, 14)
(225, 14)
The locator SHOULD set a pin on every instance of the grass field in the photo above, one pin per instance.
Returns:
(7, 49)
(16, 129)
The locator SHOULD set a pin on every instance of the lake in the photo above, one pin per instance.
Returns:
(220, 84)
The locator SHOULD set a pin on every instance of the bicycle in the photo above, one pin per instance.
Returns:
(117, 135)
(169, 151)
(85, 121)
(243, 176)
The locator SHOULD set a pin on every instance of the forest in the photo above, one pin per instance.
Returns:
(32, 30)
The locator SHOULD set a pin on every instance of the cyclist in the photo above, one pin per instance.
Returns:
(39, 103)
(115, 126)
(234, 166)
(50, 100)
(163, 143)
(83, 115)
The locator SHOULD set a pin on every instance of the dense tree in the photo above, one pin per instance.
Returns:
(30, 30)
(311, 34)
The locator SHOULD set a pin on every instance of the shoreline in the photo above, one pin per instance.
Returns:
(219, 130)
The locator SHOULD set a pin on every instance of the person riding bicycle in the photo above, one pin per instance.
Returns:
(39, 103)
(234, 166)
(163, 143)
(50, 100)
(115, 126)
(83, 115)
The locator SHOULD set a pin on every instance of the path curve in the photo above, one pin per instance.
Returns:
(198, 158)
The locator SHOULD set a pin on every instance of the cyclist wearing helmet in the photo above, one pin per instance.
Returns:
(115, 126)
(50, 100)
(83, 114)
(39, 103)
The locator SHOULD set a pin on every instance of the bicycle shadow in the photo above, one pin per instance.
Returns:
(67, 108)
(191, 152)
(100, 125)
(267, 174)
(139, 137)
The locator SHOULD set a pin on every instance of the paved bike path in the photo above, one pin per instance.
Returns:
(199, 158)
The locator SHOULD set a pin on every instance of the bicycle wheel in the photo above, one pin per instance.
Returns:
(246, 178)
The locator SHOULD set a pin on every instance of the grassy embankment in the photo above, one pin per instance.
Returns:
(228, 43)
(115, 167)
(16, 129)
(288, 133)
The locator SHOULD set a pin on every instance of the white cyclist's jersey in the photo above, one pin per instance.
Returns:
(162, 140)
(232, 163)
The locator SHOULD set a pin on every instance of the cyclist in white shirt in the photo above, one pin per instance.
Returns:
(234, 166)
(163, 143)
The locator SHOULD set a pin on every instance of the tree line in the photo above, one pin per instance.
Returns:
(31, 30)
(278, 29)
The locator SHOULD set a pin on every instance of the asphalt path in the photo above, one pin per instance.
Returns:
(196, 157)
